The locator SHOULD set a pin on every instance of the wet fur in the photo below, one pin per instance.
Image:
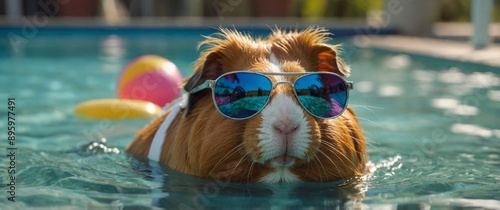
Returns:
(202, 142)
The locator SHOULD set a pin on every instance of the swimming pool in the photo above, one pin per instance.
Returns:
(432, 129)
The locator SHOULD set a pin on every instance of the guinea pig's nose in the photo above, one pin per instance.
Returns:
(285, 128)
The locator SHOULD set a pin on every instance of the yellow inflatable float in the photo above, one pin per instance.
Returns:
(117, 109)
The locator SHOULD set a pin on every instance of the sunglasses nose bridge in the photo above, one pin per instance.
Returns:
(281, 83)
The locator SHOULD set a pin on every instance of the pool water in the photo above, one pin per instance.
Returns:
(432, 128)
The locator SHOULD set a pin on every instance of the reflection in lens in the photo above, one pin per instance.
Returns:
(241, 95)
(323, 95)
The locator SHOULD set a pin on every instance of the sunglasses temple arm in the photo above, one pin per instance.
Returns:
(206, 84)
(350, 85)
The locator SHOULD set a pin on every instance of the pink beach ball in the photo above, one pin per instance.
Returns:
(150, 78)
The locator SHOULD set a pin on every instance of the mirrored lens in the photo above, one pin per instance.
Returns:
(323, 95)
(241, 95)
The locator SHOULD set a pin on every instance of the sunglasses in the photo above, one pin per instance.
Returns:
(241, 95)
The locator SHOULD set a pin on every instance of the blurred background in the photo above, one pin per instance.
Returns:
(421, 18)
(446, 10)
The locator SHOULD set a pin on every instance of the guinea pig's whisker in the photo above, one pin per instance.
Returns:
(367, 133)
(236, 166)
(371, 121)
(372, 145)
(366, 106)
(228, 154)
(250, 170)
(358, 139)
(322, 166)
(336, 152)
(338, 135)
(355, 139)
(321, 152)
(369, 108)
(316, 159)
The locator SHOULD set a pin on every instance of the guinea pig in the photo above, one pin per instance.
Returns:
(286, 140)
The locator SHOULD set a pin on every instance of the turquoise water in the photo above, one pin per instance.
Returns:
(432, 128)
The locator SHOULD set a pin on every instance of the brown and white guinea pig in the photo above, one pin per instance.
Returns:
(202, 142)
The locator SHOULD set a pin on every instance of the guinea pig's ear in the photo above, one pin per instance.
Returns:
(327, 60)
(211, 69)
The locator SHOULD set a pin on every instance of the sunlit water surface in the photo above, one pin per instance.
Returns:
(432, 129)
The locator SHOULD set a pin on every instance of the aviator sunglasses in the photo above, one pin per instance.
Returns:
(241, 95)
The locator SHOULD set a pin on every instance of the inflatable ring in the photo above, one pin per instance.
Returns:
(117, 109)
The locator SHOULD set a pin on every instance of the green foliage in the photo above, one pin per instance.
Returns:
(352, 8)
(450, 10)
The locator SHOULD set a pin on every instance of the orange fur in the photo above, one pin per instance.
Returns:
(204, 143)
